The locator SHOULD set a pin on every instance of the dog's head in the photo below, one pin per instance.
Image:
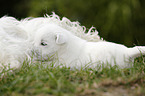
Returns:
(49, 39)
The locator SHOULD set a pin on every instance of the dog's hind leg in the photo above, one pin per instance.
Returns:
(136, 51)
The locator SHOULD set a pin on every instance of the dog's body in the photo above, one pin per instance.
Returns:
(64, 41)
(73, 51)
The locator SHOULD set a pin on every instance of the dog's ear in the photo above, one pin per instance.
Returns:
(60, 38)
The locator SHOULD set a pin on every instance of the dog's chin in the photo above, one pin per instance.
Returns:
(44, 58)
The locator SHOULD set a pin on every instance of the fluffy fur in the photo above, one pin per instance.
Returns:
(13, 48)
(31, 25)
(64, 41)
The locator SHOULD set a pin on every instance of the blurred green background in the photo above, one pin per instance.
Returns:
(120, 21)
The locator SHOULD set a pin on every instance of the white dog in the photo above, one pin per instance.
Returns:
(64, 41)
(76, 52)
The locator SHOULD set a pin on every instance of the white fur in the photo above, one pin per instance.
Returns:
(63, 41)
(14, 46)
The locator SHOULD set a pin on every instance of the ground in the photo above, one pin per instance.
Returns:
(39, 80)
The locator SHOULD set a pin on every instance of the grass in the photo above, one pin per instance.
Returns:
(37, 80)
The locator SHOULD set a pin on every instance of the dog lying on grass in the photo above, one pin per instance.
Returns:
(63, 41)
(68, 49)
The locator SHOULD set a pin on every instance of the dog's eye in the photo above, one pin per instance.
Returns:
(43, 44)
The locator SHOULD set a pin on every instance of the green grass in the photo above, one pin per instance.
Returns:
(37, 80)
